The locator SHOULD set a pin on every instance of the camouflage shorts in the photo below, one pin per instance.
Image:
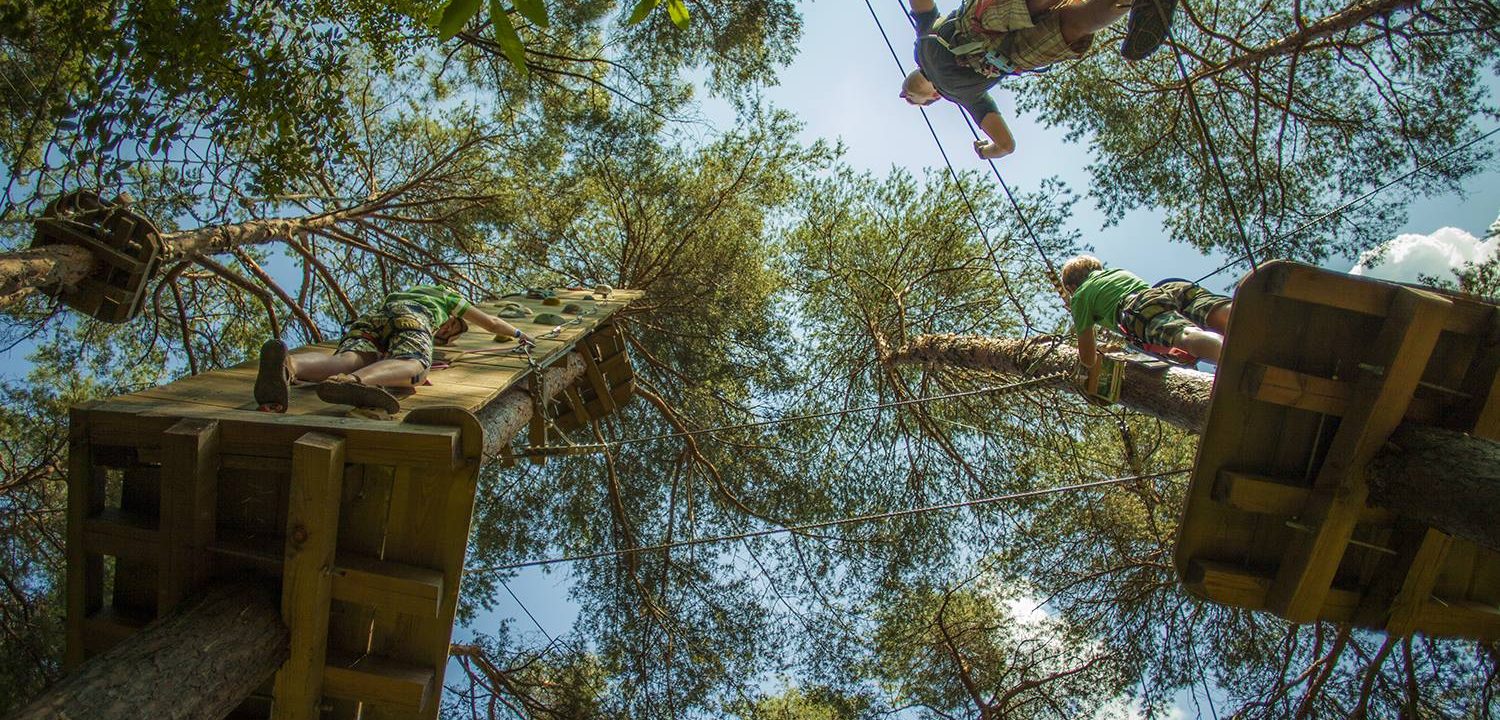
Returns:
(1026, 43)
(397, 331)
(1159, 315)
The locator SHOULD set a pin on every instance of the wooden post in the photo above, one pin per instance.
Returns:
(85, 571)
(189, 478)
(312, 522)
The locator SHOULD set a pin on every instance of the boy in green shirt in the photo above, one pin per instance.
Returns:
(1176, 313)
(388, 348)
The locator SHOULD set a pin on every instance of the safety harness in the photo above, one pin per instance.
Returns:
(972, 45)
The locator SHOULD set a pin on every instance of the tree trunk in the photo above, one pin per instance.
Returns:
(1446, 479)
(49, 266)
(1325, 27)
(1449, 480)
(199, 662)
(1177, 395)
(510, 412)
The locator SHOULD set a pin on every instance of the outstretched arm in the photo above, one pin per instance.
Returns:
(1000, 143)
(475, 316)
(921, 6)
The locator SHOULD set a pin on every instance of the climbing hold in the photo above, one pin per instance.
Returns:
(549, 319)
(572, 309)
(540, 293)
(551, 301)
(603, 290)
(513, 310)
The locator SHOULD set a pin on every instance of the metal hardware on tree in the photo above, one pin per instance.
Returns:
(125, 246)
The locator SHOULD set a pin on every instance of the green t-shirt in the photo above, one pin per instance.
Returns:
(1097, 300)
(441, 303)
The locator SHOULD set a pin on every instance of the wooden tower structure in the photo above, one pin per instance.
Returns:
(360, 524)
(1318, 370)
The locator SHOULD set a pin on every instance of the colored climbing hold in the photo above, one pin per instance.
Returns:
(572, 309)
(549, 319)
(513, 310)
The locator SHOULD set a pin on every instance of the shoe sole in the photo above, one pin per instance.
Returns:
(271, 386)
(363, 396)
(1147, 29)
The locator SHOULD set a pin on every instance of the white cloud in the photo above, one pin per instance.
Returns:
(1409, 255)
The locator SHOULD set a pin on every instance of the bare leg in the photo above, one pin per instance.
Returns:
(314, 367)
(1218, 320)
(1079, 20)
(390, 373)
(1205, 344)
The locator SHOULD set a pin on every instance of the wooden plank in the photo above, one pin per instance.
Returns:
(122, 534)
(1271, 496)
(370, 678)
(597, 381)
(1367, 296)
(362, 530)
(1416, 590)
(1402, 348)
(394, 586)
(105, 629)
(311, 531)
(1460, 618)
(1303, 391)
(189, 471)
(85, 584)
(1232, 585)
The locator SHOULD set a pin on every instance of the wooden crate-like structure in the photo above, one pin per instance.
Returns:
(1318, 370)
(125, 245)
(363, 523)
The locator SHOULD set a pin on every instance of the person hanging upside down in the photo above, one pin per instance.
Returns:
(965, 54)
(390, 348)
(1177, 313)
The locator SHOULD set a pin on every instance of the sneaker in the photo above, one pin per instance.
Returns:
(348, 390)
(1146, 29)
(273, 379)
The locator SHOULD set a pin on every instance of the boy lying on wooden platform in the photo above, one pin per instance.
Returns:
(387, 350)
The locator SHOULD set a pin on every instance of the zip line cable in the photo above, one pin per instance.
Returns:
(1022, 385)
(872, 517)
(1384, 186)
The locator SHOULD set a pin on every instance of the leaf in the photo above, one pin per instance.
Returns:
(642, 9)
(452, 17)
(533, 10)
(679, 13)
(505, 35)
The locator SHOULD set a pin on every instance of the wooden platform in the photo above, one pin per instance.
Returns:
(363, 523)
(1318, 370)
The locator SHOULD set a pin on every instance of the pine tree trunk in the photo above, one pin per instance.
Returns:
(510, 412)
(199, 662)
(1446, 479)
(1177, 395)
(49, 266)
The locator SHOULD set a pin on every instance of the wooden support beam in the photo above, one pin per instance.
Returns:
(1233, 585)
(189, 481)
(380, 680)
(1290, 388)
(85, 569)
(1272, 496)
(1366, 296)
(1458, 618)
(388, 585)
(1410, 333)
(107, 628)
(1416, 590)
(312, 523)
(597, 381)
(122, 534)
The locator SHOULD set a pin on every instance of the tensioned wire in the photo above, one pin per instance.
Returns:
(871, 517)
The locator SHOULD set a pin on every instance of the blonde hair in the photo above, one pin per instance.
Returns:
(1075, 271)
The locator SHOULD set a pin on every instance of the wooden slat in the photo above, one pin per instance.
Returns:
(371, 678)
(189, 471)
(1405, 342)
(1232, 585)
(311, 531)
(597, 381)
(1460, 618)
(1272, 496)
(85, 570)
(121, 534)
(1368, 297)
(387, 585)
(1416, 590)
(1303, 391)
(105, 629)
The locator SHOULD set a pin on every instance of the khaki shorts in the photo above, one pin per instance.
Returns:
(1161, 314)
(397, 331)
(1028, 44)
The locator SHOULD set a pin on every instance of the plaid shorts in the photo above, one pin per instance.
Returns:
(1161, 314)
(1028, 44)
(397, 331)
